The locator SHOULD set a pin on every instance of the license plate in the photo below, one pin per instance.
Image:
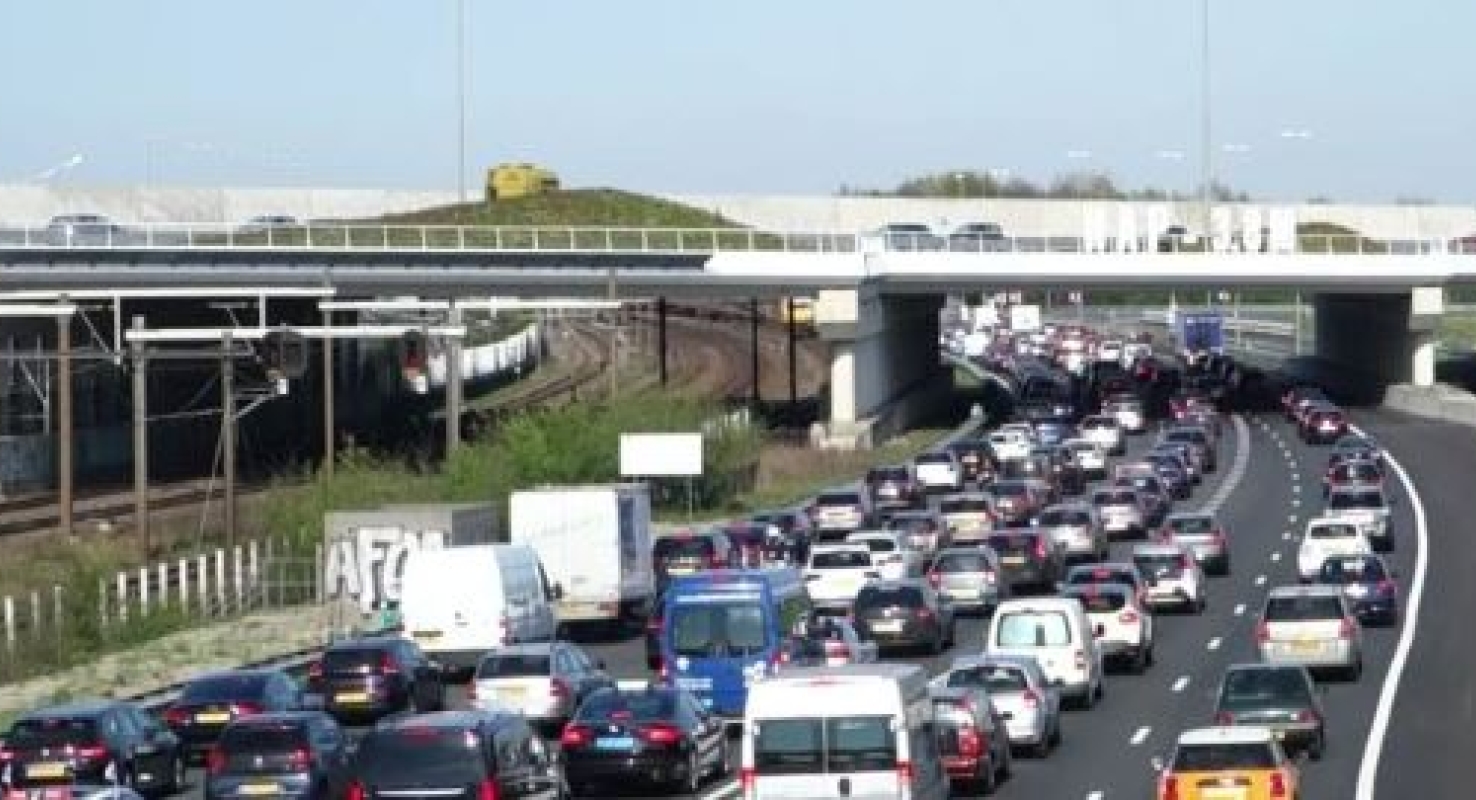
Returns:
(1306, 647)
(259, 789)
(615, 743)
(887, 625)
(212, 718)
(1013, 561)
(681, 570)
(47, 769)
(1222, 793)
(425, 636)
(352, 697)
(512, 696)
(964, 591)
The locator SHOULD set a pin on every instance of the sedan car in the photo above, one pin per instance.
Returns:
(1123, 626)
(921, 530)
(298, 754)
(969, 516)
(972, 738)
(210, 702)
(1313, 626)
(1280, 697)
(1019, 689)
(93, 741)
(544, 681)
(1121, 511)
(1203, 534)
(656, 735)
(1029, 558)
(971, 578)
(905, 613)
(1077, 530)
(1369, 584)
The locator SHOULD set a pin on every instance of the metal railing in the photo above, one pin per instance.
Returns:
(583, 239)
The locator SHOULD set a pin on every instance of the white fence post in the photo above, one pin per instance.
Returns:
(220, 593)
(122, 597)
(143, 591)
(56, 610)
(163, 571)
(202, 567)
(102, 602)
(10, 622)
(253, 567)
(184, 585)
(35, 615)
(238, 571)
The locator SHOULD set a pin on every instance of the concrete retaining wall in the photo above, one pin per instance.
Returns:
(1442, 402)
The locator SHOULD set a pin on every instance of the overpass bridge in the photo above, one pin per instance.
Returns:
(1376, 301)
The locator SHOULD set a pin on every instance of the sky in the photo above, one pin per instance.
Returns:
(1354, 100)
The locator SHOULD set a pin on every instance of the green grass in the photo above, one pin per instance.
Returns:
(789, 474)
(600, 208)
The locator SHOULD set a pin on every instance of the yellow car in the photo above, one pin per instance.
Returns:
(1228, 763)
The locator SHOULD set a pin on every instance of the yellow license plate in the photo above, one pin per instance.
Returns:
(211, 718)
(259, 789)
(425, 636)
(511, 695)
(46, 769)
(352, 697)
(681, 570)
(1306, 647)
(1012, 560)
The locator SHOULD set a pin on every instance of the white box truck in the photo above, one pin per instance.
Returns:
(595, 542)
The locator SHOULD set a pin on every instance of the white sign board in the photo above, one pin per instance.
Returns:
(1025, 318)
(660, 455)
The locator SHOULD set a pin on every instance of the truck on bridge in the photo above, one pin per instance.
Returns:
(1199, 334)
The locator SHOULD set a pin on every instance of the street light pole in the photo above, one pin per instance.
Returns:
(1206, 124)
(461, 99)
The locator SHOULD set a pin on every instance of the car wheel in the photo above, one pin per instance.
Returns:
(693, 783)
(987, 781)
(1315, 750)
(1007, 762)
(1356, 671)
(1202, 605)
(178, 776)
(1139, 663)
(1148, 656)
(725, 765)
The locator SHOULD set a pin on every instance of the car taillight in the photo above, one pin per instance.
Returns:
(1347, 628)
(96, 751)
(487, 790)
(246, 709)
(837, 650)
(559, 688)
(387, 665)
(1278, 785)
(1387, 587)
(1307, 715)
(1218, 537)
(746, 780)
(215, 761)
(301, 758)
(1128, 618)
(924, 613)
(6, 754)
(575, 736)
(935, 579)
(355, 791)
(1224, 718)
(1170, 788)
(174, 715)
(662, 734)
(1040, 548)
(970, 743)
(315, 670)
(1263, 632)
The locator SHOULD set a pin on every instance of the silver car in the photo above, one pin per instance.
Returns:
(544, 682)
(1077, 530)
(1312, 626)
(1204, 535)
(1121, 511)
(1368, 508)
(1024, 697)
(969, 577)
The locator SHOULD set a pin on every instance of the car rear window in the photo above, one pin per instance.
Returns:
(961, 562)
(1352, 569)
(1060, 517)
(52, 731)
(1100, 602)
(684, 547)
(1159, 563)
(644, 706)
(840, 559)
(1342, 500)
(1186, 435)
(514, 665)
(934, 458)
(877, 544)
(888, 596)
(1033, 629)
(1090, 575)
(1012, 543)
(970, 506)
(224, 687)
(423, 756)
(1296, 609)
(1248, 688)
(1333, 531)
(1192, 524)
(262, 738)
(1115, 498)
(997, 679)
(1226, 756)
(1009, 489)
(353, 659)
(888, 474)
(825, 745)
(841, 499)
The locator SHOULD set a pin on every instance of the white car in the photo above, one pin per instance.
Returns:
(1089, 456)
(1011, 445)
(1129, 415)
(1105, 432)
(835, 573)
(891, 554)
(1124, 629)
(1109, 350)
(938, 472)
(1327, 537)
(1133, 351)
(1175, 578)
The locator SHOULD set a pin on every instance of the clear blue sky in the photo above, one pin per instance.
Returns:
(781, 96)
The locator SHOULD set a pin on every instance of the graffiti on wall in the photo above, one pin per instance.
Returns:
(366, 564)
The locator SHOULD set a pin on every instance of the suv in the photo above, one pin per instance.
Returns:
(1123, 627)
(296, 753)
(1174, 576)
(1199, 440)
(210, 702)
(689, 552)
(1312, 626)
(892, 487)
(1029, 558)
(972, 738)
(1077, 529)
(374, 677)
(904, 613)
(970, 577)
(545, 682)
(838, 513)
(1368, 508)
(1281, 697)
(94, 741)
(938, 472)
(471, 755)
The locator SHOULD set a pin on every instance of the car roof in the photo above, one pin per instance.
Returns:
(1070, 505)
(965, 496)
(1226, 734)
(1126, 566)
(444, 720)
(1309, 590)
(1107, 587)
(528, 649)
(896, 583)
(1028, 663)
(363, 643)
(1262, 666)
(838, 547)
(88, 707)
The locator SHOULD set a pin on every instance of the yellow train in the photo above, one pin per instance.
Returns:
(804, 310)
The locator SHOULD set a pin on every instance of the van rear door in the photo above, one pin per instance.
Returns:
(716, 646)
(862, 757)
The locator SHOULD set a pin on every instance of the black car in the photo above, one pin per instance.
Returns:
(455, 755)
(748, 541)
(298, 754)
(658, 735)
(893, 486)
(690, 552)
(1067, 474)
(1029, 558)
(1368, 583)
(906, 613)
(976, 458)
(94, 741)
(1281, 697)
(370, 678)
(210, 702)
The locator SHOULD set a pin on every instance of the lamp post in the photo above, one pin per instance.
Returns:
(461, 90)
(1206, 121)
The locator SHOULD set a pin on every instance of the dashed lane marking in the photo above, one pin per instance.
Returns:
(1276, 556)
(1240, 609)
(1260, 580)
(1140, 736)
(1181, 684)
(1214, 644)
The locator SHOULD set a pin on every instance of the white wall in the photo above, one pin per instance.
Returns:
(33, 205)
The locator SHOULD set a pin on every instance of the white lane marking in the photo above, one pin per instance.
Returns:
(1239, 609)
(1098, 795)
(725, 790)
(1296, 501)
(1237, 468)
(1291, 517)
(1214, 644)
(1276, 556)
(1286, 535)
(1296, 488)
(1140, 735)
(1260, 580)
(1181, 684)
(1368, 770)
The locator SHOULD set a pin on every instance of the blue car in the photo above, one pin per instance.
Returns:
(1368, 583)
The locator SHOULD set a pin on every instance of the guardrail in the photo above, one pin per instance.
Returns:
(1263, 327)
(328, 236)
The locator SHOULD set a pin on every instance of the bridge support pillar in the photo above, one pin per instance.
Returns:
(884, 369)
(1369, 341)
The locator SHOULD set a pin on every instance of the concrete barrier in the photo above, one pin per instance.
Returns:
(1440, 402)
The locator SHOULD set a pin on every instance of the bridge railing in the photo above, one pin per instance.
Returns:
(330, 236)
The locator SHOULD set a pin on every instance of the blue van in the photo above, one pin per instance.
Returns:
(723, 630)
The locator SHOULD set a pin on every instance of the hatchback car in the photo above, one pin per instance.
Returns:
(94, 741)
(836, 572)
(969, 516)
(971, 578)
(1199, 440)
(1077, 530)
(1227, 761)
(892, 554)
(924, 531)
(689, 552)
(297, 754)
(1204, 536)
(1123, 572)
(904, 614)
(1174, 577)
(938, 472)
(1027, 702)
(210, 702)
(1153, 496)
(373, 677)
(838, 513)
(1369, 584)
(1106, 432)
(893, 486)
(1015, 502)
(1369, 508)
(545, 682)
(658, 735)
(1325, 538)
(1323, 425)
(972, 738)
(1029, 559)
(1091, 458)
(1121, 510)
(1352, 472)
(455, 755)
(976, 458)
(1123, 626)
(1281, 697)
(1313, 626)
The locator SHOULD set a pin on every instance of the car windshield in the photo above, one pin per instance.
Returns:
(257, 738)
(1261, 687)
(1192, 525)
(638, 706)
(514, 665)
(1159, 564)
(840, 559)
(1033, 629)
(1349, 500)
(807, 745)
(717, 629)
(998, 679)
(674, 547)
(1354, 569)
(223, 688)
(419, 756)
(1299, 608)
(1223, 757)
(52, 732)
(1099, 602)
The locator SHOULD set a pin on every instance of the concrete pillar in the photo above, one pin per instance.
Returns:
(843, 388)
(1422, 368)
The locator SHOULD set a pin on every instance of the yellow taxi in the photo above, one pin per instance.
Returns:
(1228, 763)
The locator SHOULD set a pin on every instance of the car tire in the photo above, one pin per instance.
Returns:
(725, 762)
(178, 775)
(987, 780)
(691, 782)
(1139, 662)
(1355, 672)
(1318, 746)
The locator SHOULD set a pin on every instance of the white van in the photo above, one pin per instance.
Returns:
(1056, 632)
(862, 731)
(458, 603)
